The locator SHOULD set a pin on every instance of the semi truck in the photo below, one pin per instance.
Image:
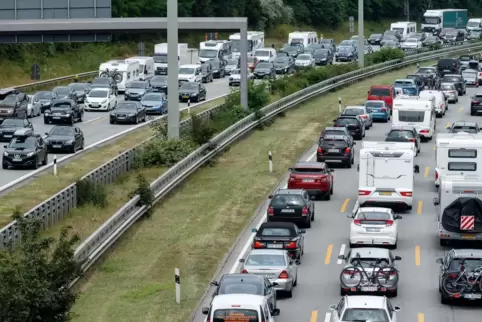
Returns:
(435, 20)
(160, 57)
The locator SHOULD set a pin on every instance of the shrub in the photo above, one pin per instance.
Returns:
(89, 192)
(201, 130)
(164, 152)
(146, 196)
(258, 97)
(386, 54)
(435, 46)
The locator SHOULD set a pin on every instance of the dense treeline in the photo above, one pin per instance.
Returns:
(267, 13)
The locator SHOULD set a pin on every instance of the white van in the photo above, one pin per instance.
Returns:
(458, 153)
(404, 27)
(417, 112)
(146, 65)
(304, 38)
(213, 49)
(386, 174)
(474, 24)
(265, 54)
(190, 73)
(239, 307)
(441, 102)
(129, 72)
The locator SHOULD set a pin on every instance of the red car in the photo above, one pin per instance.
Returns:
(314, 177)
(384, 93)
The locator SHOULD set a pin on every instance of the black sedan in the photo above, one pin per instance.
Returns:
(64, 111)
(65, 138)
(280, 235)
(264, 70)
(65, 92)
(291, 205)
(25, 151)
(323, 57)
(44, 99)
(192, 92)
(375, 39)
(284, 65)
(159, 84)
(81, 90)
(128, 112)
(10, 126)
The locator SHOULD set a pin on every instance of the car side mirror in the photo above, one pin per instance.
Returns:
(242, 260)
(354, 143)
(398, 217)
(46, 133)
(297, 262)
(416, 169)
(302, 231)
(5, 146)
(436, 201)
(205, 310)
(397, 308)
(332, 307)
(439, 261)
(276, 312)
(290, 169)
(270, 197)
(397, 258)
(214, 283)
(343, 257)
(254, 230)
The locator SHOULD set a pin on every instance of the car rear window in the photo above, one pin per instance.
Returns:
(400, 134)
(309, 171)
(447, 88)
(333, 132)
(235, 315)
(411, 116)
(353, 111)
(470, 264)
(374, 104)
(377, 315)
(334, 143)
(287, 200)
(451, 79)
(274, 231)
(248, 285)
(346, 121)
(266, 260)
(468, 129)
(373, 216)
(369, 263)
(379, 92)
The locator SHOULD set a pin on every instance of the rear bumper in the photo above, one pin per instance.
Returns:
(476, 109)
(284, 285)
(333, 159)
(382, 240)
(380, 116)
(311, 189)
(385, 201)
(380, 290)
(448, 235)
(296, 220)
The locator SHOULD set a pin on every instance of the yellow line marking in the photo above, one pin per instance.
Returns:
(460, 109)
(417, 255)
(345, 203)
(314, 316)
(426, 172)
(448, 124)
(419, 207)
(328, 254)
(420, 317)
(434, 147)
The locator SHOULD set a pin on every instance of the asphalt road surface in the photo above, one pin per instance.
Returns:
(418, 243)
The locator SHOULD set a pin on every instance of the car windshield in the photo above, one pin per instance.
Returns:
(465, 58)
(12, 123)
(287, 200)
(126, 106)
(236, 72)
(346, 49)
(463, 128)
(451, 79)
(231, 62)
(189, 86)
(136, 85)
(375, 36)
(320, 53)
(262, 53)
(325, 41)
(62, 105)
(411, 116)
(291, 49)
(266, 260)
(227, 315)
(337, 144)
(374, 104)
(426, 70)
(62, 90)
(400, 134)
(62, 131)
(78, 87)
(353, 111)
(249, 285)
(275, 231)
(98, 93)
(159, 79)
(469, 263)
(263, 66)
(152, 97)
(208, 53)
(303, 57)
(346, 43)
(379, 92)
(447, 87)
(346, 121)
(160, 59)
(469, 72)
(365, 315)
(282, 60)
(44, 95)
(411, 40)
(25, 142)
(187, 71)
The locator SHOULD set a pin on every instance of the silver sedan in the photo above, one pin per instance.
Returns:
(32, 109)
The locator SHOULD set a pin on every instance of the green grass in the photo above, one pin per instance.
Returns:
(194, 227)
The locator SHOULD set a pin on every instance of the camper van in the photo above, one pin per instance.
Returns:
(458, 153)
(474, 24)
(304, 38)
(214, 49)
(404, 28)
(386, 174)
(146, 65)
(128, 71)
(441, 102)
(417, 112)
(459, 208)
(255, 41)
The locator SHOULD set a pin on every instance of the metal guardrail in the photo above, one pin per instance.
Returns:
(97, 243)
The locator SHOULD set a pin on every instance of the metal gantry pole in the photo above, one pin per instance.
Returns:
(361, 36)
(244, 67)
(172, 70)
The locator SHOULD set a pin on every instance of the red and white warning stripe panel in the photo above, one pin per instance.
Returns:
(467, 223)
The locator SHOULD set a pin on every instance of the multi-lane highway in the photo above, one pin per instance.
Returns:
(418, 245)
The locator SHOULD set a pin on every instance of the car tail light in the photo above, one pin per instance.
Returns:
(453, 92)
(270, 211)
(320, 150)
(305, 211)
(453, 275)
(393, 273)
(475, 102)
(441, 106)
(383, 109)
(436, 175)
(291, 245)
(406, 193)
(258, 244)
(412, 140)
(364, 116)
(363, 192)
(347, 150)
(244, 271)
(283, 275)
(389, 223)
(293, 179)
(357, 222)
(424, 131)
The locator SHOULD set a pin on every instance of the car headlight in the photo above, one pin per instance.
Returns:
(47, 112)
(103, 102)
(5, 154)
(30, 154)
(131, 114)
(67, 114)
(70, 142)
(112, 114)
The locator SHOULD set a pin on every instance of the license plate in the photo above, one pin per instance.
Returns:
(7, 136)
(288, 210)
(185, 96)
(468, 236)
(373, 230)
(473, 296)
(56, 117)
(385, 193)
(369, 289)
(308, 180)
(121, 117)
(56, 146)
(275, 245)
(17, 159)
(333, 150)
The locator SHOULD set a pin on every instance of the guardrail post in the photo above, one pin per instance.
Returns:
(189, 106)
(339, 104)
(55, 165)
(270, 161)
(177, 279)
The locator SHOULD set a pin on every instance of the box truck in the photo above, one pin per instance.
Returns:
(160, 57)
(435, 20)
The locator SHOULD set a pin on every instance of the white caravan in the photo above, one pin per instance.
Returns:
(160, 57)
(146, 65)
(129, 72)
(304, 38)
(417, 112)
(213, 49)
(459, 208)
(404, 27)
(441, 103)
(474, 24)
(457, 153)
(255, 41)
(386, 174)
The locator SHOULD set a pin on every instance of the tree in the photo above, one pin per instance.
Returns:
(35, 278)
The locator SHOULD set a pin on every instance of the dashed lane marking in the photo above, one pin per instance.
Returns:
(460, 109)
(342, 252)
(345, 203)
(314, 316)
(417, 255)
(419, 207)
(420, 317)
(94, 119)
(329, 251)
(327, 317)
(427, 169)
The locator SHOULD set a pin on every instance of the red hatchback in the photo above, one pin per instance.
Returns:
(384, 93)
(314, 177)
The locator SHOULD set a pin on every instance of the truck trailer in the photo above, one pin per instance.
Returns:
(435, 20)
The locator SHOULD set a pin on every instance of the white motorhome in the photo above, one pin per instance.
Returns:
(417, 112)
(304, 38)
(160, 57)
(255, 41)
(146, 65)
(441, 103)
(404, 27)
(459, 208)
(474, 24)
(458, 153)
(213, 49)
(386, 174)
(129, 72)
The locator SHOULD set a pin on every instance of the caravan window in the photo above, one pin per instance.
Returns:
(462, 166)
(411, 116)
(462, 153)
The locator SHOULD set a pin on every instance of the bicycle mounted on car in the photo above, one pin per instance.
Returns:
(114, 75)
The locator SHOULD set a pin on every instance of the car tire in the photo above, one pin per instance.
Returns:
(295, 283)
(46, 121)
(71, 120)
(46, 159)
(394, 294)
(342, 292)
(327, 196)
(308, 224)
(35, 166)
(289, 294)
(80, 119)
(111, 122)
(331, 190)
(444, 300)
(348, 165)
(313, 217)
(394, 246)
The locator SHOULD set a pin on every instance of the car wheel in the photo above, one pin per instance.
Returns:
(342, 292)
(394, 293)
(328, 196)
(444, 300)
(46, 121)
(111, 122)
(348, 164)
(4, 166)
(289, 294)
(331, 190)
(80, 117)
(46, 159)
(296, 280)
(71, 120)
(35, 166)
(308, 224)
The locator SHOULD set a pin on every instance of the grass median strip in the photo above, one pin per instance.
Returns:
(193, 228)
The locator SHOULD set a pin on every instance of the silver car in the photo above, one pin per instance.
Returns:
(362, 112)
(32, 109)
(276, 265)
(450, 92)
(235, 77)
(471, 77)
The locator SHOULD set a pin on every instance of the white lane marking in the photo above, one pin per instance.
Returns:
(94, 119)
(258, 224)
(327, 316)
(342, 252)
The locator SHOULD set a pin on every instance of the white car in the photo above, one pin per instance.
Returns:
(411, 43)
(32, 109)
(362, 112)
(305, 60)
(100, 99)
(364, 308)
(374, 226)
(235, 77)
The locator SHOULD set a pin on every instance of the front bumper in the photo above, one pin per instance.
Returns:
(56, 118)
(126, 119)
(95, 107)
(184, 98)
(63, 146)
(23, 162)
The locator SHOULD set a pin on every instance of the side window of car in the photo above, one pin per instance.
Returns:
(267, 313)
(340, 307)
(263, 315)
(389, 309)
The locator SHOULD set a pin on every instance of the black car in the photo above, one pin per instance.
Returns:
(291, 205)
(353, 123)
(323, 57)
(284, 65)
(10, 126)
(264, 70)
(65, 92)
(128, 112)
(464, 126)
(292, 51)
(448, 66)
(207, 73)
(336, 149)
(159, 84)
(404, 133)
(26, 149)
(346, 54)
(105, 82)
(218, 68)
(13, 103)
(311, 48)
(328, 44)
(65, 138)
(457, 80)
(81, 90)
(375, 39)
(44, 99)
(192, 92)
(64, 111)
(135, 90)
(476, 104)
(454, 35)
(418, 79)
(280, 233)
(429, 75)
